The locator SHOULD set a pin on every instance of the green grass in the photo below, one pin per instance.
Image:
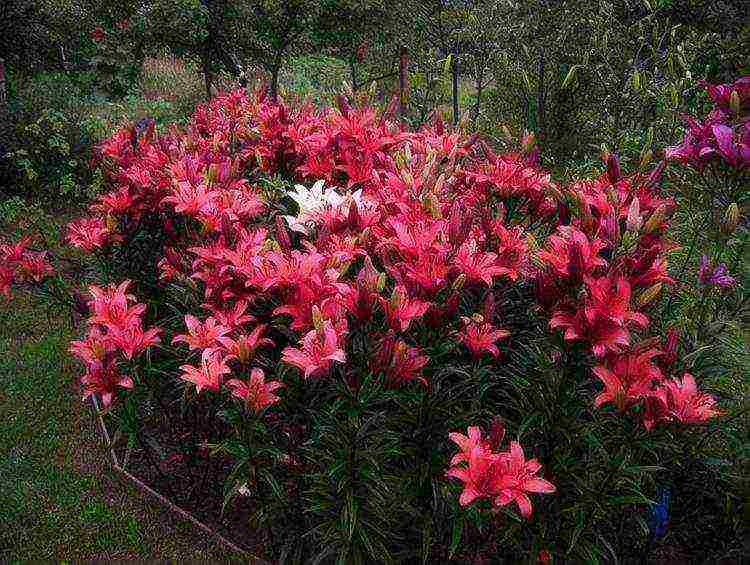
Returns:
(59, 499)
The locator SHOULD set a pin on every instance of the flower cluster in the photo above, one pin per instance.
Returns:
(593, 299)
(634, 379)
(724, 134)
(19, 264)
(500, 476)
(115, 334)
(390, 238)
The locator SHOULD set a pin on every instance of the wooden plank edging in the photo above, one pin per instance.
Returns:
(164, 501)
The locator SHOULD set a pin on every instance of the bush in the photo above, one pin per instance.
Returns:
(356, 356)
(54, 119)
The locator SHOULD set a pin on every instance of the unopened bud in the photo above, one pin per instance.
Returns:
(613, 168)
(538, 262)
(734, 103)
(212, 174)
(397, 298)
(629, 241)
(649, 294)
(731, 219)
(427, 169)
(452, 154)
(430, 205)
(282, 234)
(634, 220)
(587, 219)
(111, 223)
(655, 176)
(506, 133)
(464, 120)
(400, 161)
(439, 183)
(343, 105)
(528, 141)
(656, 219)
(646, 157)
(353, 218)
(381, 282)
(458, 284)
(317, 317)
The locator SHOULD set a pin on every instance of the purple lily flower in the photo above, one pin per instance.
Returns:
(708, 275)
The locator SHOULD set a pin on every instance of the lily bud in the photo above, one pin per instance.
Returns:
(80, 303)
(428, 168)
(212, 174)
(353, 218)
(538, 263)
(671, 345)
(634, 221)
(381, 282)
(528, 141)
(439, 183)
(317, 317)
(111, 223)
(506, 133)
(282, 234)
(397, 298)
(655, 176)
(458, 284)
(400, 161)
(611, 227)
(587, 219)
(646, 157)
(734, 103)
(731, 219)
(656, 219)
(649, 294)
(343, 105)
(463, 120)
(452, 154)
(613, 168)
(430, 205)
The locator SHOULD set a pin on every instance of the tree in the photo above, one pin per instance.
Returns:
(268, 31)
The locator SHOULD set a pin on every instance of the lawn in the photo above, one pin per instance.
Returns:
(59, 498)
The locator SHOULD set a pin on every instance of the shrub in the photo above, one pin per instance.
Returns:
(54, 119)
(358, 354)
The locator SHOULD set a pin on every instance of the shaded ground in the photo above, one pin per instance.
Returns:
(58, 497)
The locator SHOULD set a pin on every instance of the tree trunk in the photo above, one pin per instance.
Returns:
(403, 62)
(206, 63)
(273, 87)
(2, 82)
(541, 98)
(353, 73)
(480, 88)
(454, 71)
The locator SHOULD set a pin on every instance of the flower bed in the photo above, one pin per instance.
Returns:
(324, 326)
